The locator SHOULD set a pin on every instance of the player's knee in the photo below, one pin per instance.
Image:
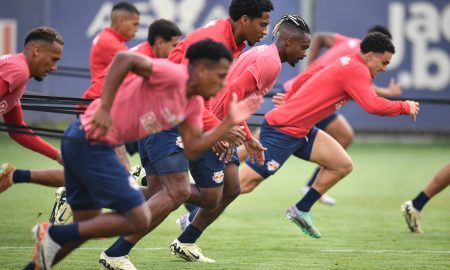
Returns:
(346, 166)
(180, 194)
(142, 221)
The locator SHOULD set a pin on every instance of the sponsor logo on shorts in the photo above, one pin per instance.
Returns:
(179, 142)
(133, 184)
(218, 177)
(272, 165)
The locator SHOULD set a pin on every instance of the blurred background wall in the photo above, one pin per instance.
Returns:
(421, 33)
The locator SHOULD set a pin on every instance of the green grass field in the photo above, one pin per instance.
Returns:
(365, 230)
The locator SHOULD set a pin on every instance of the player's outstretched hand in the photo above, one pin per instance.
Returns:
(100, 124)
(278, 99)
(240, 111)
(413, 109)
(255, 151)
(59, 159)
(394, 89)
(235, 136)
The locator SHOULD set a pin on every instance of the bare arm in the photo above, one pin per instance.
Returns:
(320, 40)
(393, 90)
(121, 65)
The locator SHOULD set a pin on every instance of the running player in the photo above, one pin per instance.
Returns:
(411, 209)
(105, 45)
(253, 73)
(43, 48)
(291, 128)
(129, 110)
(162, 154)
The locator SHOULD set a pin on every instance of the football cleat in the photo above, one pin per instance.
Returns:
(138, 173)
(188, 252)
(412, 217)
(325, 199)
(183, 221)
(61, 213)
(46, 248)
(6, 173)
(115, 263)
(303, 220)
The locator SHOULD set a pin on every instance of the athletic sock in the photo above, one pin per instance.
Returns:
(420, 201)
(192, 214)
(190, 207)
(30, 266)
(313, 177)
(63, 234)
(308, 200)
(190, 235)
(120, 248)
(21, 176)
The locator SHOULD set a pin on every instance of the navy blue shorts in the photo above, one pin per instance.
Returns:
(162, 153)
(94, 176)
(280, 147)
(326, 121)
(208, 171)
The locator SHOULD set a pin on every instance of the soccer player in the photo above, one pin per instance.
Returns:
(161, 95)
(123, 27)
(336, 125)
(43, 48)
(411, 209)
(289, 128)
(163, 36)
(162, 154)
(253, 73)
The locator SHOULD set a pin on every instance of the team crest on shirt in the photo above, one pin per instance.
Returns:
(148, 123)
(272, 165)
(218, 177)
(345, 60)
(3, 106)
(133, 184)
(179, 142)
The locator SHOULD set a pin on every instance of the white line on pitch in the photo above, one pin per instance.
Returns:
(385, 251)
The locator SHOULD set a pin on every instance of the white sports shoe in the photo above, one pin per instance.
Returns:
(138, 173)
(183, 222)
(188, 252)
(6, 172)
(115, 263)
(45, 249)
(62, 213)
(325, 199)
(412, 217)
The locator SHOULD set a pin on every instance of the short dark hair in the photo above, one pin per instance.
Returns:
(295, 21)
(207, 49)
(380, 29)
(164, 29)
(44, 33)
(125, 6)
(376, 42)
(251, 8)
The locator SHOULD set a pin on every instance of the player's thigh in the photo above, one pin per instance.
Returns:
(328, 153)
(339, 128)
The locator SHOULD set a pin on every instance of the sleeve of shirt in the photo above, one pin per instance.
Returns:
(210, 121)
(14, 76)
(302, 79)
(240, 86)
(177, 54)
(4, 88)
(194, 112)
(265, 71)
(358, 84)
(32, 142)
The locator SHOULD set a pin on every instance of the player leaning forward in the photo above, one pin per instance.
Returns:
(163, 95)
(291, 128)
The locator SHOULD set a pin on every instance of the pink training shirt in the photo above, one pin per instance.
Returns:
(342, 46)
(146, 106)
(104, 47)
(328, 90)
(15, 72)
(263, 63)
(95, 90)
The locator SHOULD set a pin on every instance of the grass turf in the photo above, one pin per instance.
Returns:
(365, 230)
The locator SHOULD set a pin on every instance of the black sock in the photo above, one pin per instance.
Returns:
(313, 177)
(190, 235)
(308, 200)
(420, 201)
(21, 176)
(30, 266)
